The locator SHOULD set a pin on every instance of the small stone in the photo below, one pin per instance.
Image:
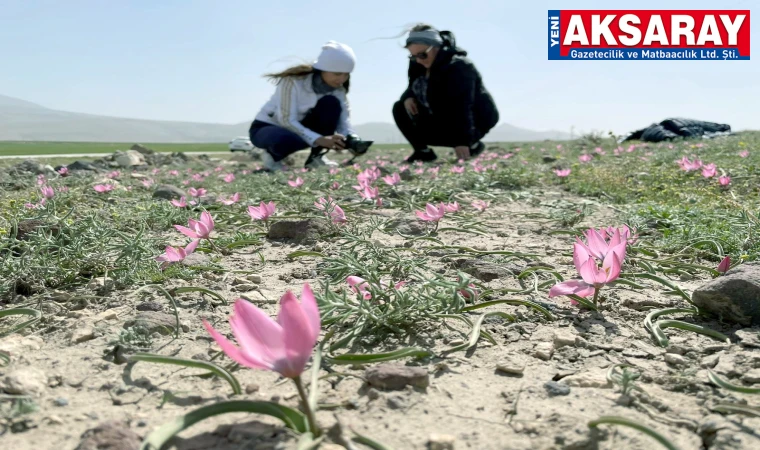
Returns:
(563, 338)
(554, 388)
(169, 192)
(675, 359)
(373, 394)
(396, 376)
(441, 442)
(129, 158)
(150, 306)
(511, 367)
(396, 402)
(110, 435)
(82, 334)
(245, 287)
(749, 337)
(753, 376)
(254, 279)
(251, 388)
(624, 400)
(591, 379)
(101, 285)
(544, 350)
(61, 402)
(155, 322)
(53, 420)
(24, 381)
(734, 296)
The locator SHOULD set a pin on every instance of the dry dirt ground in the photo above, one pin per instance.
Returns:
(537, 389)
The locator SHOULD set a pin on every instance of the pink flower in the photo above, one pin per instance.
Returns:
(360, 286)
(585, 157)
(114, 174)
(480, 205)
(198, 229)
(101, 188)
(457, 169)
(724, 180)
(369, 193)
(229, 178)
(263, 212)
(335, 186)
(63, 171)
(688, 166)
(724, 265)
(231, 201)
(562, 172)
(338, 215)
(200, 192)
(392, 180)
(598, 246)
(283, 346)
(147, 183)
(432, 213)
(709, 171)
(451, 207)
(172, 255)
(592, 276)
(181, 203)
(298, 182)
(47, 192)
(744, 153)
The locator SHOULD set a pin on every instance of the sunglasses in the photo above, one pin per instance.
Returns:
(422, 55)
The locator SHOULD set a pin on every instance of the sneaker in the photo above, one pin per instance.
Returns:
(317, 161)
(477, 149)
(424, 155)
(270, 164)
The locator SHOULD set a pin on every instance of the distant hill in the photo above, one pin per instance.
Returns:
(21, 120)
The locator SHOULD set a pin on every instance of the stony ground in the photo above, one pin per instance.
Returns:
(538, 387)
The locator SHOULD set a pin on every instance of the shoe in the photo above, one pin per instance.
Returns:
(315, 161)
(270, 164)
(477, 149)
(424, 155)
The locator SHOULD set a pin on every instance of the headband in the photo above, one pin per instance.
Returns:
(429, 37)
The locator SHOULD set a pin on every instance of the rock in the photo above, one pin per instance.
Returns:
(142, 149)
(482, 270)
(251, 388)
(675, 360)
(129, 158)
(169, 192)
(154, 322)
(300, 232)
(16, 344)
(26, 227)
(408, 227)
(441, 442)
(753, 376)
(549, 159)
(555, 389)
(30, 166)
(564, 338)
(81, 166)
(591, 379)
(110, 436)
(709, 362)
(734, 296)
(24, 381)
(82, 334)
(150, 306)
(544, 350)
(396, 376)
(511, 367)
(61, 402)
(749, 337)
(101, 285)
(254, 279)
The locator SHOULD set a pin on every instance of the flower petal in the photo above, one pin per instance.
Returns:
(187, 232)
(256, 332)
(577, 287)
(310, 308)
(297, 336)
(235, 353)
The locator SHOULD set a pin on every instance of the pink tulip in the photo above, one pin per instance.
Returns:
(63, 171)
(457, 169)
(181, 203)
(585, 158)
(47, 192)
(147, 183)
(198, 229)
(283, 346)
(480, 205)
(338, 215)
(369, 193)
(744, 153)
(335, 186)
(200, 192)
(359, 286)
(724, 265)
(598, 246)
(172, 255)
(562, 172)
(432, 213)
(231, 201)
(263, 212)
(101, 188)
(229, 178)
(392, 180)
(592, 276)
(114, 174)
(724, 180)
(451, 207)
(298, 182)
(709, 171)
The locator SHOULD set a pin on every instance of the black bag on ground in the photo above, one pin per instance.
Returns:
(670, 129)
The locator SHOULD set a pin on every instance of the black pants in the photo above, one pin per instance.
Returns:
(281, 142)
(421, 130)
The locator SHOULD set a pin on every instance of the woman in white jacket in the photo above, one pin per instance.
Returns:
(309, 109)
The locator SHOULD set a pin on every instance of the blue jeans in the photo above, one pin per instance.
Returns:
(280, 142)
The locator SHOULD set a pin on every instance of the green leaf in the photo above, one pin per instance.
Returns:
(36, 315)
(731, 387)
(358, 358)
(148, 357)
(291, 418)
(183, 290)
(368, 442)
(612, 420)
(731, 408)
(527, 303)
(667, 323)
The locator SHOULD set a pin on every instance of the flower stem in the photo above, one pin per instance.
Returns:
(305, 402)
(596, 295)
(216, 249)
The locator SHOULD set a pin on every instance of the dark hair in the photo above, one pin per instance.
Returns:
(449, 41)
(300, 70)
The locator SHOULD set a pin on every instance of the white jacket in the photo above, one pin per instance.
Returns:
(294, 98)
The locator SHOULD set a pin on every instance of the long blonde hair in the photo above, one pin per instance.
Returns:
(300, 70)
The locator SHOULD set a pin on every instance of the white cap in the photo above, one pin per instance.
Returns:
(336, 57)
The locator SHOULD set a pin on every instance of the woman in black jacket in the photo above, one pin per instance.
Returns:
(446, 103)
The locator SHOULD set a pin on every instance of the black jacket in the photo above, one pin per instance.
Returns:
(459, 101)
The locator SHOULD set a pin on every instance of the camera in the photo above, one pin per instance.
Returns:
(357, 146)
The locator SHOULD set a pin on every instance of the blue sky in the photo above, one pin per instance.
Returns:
(203, 60)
